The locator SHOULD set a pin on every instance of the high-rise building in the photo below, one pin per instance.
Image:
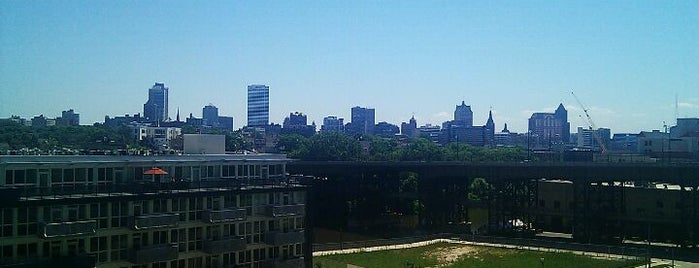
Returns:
(363, 121)
(295, 119)
(225, 122)
(462, 130)
(409, 129)
(385, 129)
(463, 115)
(164, 211)
(332, 123)
(258, 105)
(585, 138)
(685, 127)
(155, 109)
(297, 123)
(68, 118)
(210, 115)
(548, 129)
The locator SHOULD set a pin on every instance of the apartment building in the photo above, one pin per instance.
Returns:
(165, 211)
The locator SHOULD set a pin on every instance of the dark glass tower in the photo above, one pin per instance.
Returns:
(210, 115)
(155, 110)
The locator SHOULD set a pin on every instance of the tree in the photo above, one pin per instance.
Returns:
(479, 190)
(381, 149)
(421, 149)
(294, 145)
(333, 146)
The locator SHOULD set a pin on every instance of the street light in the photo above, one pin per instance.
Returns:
(542, 262)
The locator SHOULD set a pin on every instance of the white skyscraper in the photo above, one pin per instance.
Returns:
(258, 105)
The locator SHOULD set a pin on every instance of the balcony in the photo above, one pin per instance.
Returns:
(280, 238)
(226, 215)
(285, 210)
(285, 263)
(62, 229)
(154, 221)
(156, 253)
(224, 245)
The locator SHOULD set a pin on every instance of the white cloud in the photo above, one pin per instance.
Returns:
(687, 105)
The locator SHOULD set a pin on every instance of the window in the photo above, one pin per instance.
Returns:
(68, 175)
(56, 176)
(209, 171)
(119, 247)
(26, 221)
(160, 206)
(31, 176)
(160, 237)
(6, 222)
(80, 175)
(98, 245)
(195, 238)
(9, 177)
(19, 176)
(179, 237)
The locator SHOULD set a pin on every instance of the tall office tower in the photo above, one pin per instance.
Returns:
(155, 110)
(409, 129)
(210, 115)
(363, 120)
(548, 129)
(161, 211)
(258, 105)
(332, 123)
(463, 115)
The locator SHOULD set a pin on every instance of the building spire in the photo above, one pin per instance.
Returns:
(178, 114)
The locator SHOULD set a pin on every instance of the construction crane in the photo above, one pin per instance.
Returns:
(592, 126)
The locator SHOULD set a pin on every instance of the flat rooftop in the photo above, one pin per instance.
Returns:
(29, 159)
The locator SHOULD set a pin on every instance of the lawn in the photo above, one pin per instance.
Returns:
(457, 256)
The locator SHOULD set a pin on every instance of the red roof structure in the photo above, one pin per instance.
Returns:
(155, 171)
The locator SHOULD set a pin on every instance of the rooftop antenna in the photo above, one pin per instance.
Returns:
(677, 113)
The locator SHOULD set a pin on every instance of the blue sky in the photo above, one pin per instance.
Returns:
(626, 60)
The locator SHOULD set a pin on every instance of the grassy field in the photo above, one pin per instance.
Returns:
(454, 255)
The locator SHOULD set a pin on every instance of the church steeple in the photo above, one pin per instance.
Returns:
(490, 130)
(505, 130)
(490, 123)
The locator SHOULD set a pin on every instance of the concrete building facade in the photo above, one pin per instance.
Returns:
(332, 123)
(175, 211)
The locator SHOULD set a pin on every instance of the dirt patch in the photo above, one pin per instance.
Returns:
(451, 254)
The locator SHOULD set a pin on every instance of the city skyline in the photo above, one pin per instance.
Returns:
(626, 61)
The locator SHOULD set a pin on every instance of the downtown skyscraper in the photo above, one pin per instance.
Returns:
(258, 105)
(155, 109)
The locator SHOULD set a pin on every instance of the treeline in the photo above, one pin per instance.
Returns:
(15, 136)
(335, 146)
